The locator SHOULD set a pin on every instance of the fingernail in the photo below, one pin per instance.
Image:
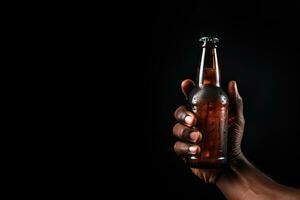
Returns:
(193, 149)
(188, 119)
(194, 135)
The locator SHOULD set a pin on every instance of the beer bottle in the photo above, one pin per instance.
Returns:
(209, 103)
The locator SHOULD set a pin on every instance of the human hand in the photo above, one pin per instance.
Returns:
(189, 137)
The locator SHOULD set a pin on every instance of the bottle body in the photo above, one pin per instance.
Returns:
(209, 103)
(210, 106)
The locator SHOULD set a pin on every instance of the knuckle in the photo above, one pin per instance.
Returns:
(179, 111)
(239, 99)
(241, 120)
(176, 147)
(175, 128)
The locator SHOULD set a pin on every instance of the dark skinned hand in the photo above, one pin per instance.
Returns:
(189, 137)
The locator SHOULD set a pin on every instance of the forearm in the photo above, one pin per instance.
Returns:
(242, 181)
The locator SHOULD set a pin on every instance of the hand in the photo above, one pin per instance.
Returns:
(189, 137)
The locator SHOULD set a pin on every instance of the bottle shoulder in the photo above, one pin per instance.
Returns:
(208, 93)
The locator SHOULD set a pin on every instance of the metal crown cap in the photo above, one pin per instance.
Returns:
(209, 39)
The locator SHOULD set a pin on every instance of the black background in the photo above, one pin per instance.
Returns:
(259, 48)
(113, 75)
(117, 126)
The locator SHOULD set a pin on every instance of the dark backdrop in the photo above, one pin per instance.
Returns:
(154, 46)
(259, 48)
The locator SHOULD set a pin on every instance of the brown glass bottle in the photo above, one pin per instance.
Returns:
(210, 104)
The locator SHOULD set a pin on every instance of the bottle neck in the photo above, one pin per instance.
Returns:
(209, 73)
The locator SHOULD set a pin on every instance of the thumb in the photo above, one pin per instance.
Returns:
(186, 86)
(235, 102)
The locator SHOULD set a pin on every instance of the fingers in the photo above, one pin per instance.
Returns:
(236, 102)
(186, 86)
(182, 149)
(187, 134)
(182, 129)
(185, 117)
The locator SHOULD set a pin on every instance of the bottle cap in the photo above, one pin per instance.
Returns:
(210, 40)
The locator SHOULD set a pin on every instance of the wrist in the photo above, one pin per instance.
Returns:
(231, 181)
(241, 180)
(231, 170)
